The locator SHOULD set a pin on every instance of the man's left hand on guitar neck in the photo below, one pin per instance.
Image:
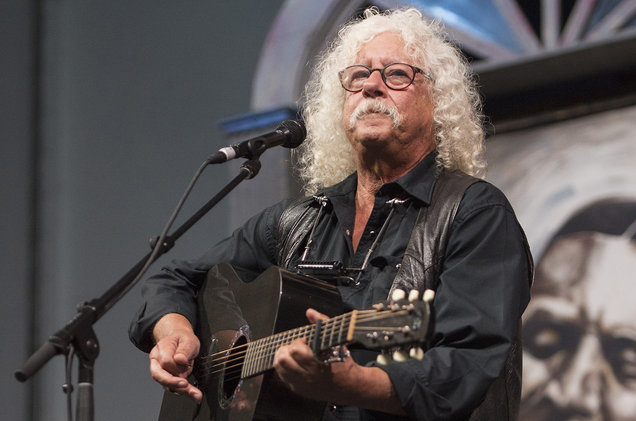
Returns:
(342, 383)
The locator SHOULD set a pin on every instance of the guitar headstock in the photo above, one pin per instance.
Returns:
(391, 327)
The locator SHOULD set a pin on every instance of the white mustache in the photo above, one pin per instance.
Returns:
(374, 106)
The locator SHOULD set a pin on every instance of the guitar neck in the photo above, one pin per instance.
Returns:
(335, 331)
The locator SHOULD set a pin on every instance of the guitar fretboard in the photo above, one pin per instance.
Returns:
(260, 353)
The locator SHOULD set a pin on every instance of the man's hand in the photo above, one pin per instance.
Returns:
(298, 368)
(346, 383)
(172, 357)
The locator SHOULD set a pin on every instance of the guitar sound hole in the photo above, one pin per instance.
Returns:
(233, 368)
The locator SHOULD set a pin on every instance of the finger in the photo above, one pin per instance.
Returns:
(300, 352)
(163, 357)
(164, 367)
(303, 357)
(190, 391)
(313, 315)
(164, 377)
(183, 363)
(174, 384)
(187, 350)
(176, 354)
(287, 360)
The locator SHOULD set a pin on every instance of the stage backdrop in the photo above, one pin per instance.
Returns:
(573, 186)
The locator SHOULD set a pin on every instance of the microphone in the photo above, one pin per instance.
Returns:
(290, 134)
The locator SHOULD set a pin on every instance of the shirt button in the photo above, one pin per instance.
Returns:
(348, 233)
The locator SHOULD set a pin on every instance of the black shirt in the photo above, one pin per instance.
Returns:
(483, 289)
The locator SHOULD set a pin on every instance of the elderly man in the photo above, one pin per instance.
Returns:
(393, 130)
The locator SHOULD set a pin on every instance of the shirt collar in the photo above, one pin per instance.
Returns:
(417, 183)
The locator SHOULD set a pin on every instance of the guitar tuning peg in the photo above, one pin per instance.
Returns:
(428, 296)
(383, 359)
(413, 295)
(416, 353)
(398, 294)
(400, 356)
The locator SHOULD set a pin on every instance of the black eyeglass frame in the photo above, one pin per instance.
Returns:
(416, 70)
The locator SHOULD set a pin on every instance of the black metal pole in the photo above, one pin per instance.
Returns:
(79, 332)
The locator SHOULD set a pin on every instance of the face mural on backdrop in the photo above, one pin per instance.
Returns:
(573, 186)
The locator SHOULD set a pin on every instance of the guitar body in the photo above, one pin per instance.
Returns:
(231, 313)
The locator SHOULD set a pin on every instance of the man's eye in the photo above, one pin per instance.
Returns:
(397, 73)
(544, 338)
(621, 353)
(359, 74)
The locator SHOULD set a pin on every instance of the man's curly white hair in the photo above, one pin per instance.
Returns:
(326, 157)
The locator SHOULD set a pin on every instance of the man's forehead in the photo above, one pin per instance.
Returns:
(610, 281)
(384, 44)
(597, 282)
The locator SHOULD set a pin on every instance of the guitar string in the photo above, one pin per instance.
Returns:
(258, 342)
(235, 359)
(235, 371)
(283, 337)
(279, 337)
(260, 345)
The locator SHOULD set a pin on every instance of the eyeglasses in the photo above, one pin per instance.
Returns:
(396, 76)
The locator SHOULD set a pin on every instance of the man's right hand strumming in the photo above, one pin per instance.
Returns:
(172, 358)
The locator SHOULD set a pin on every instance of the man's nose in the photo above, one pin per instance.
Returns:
(579, 386)
(374, 85)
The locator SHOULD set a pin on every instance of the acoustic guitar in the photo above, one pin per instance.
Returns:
(241, 325)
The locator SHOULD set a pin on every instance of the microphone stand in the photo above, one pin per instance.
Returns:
(79, 333)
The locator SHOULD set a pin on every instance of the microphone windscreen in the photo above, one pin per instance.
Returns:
(295, 133)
